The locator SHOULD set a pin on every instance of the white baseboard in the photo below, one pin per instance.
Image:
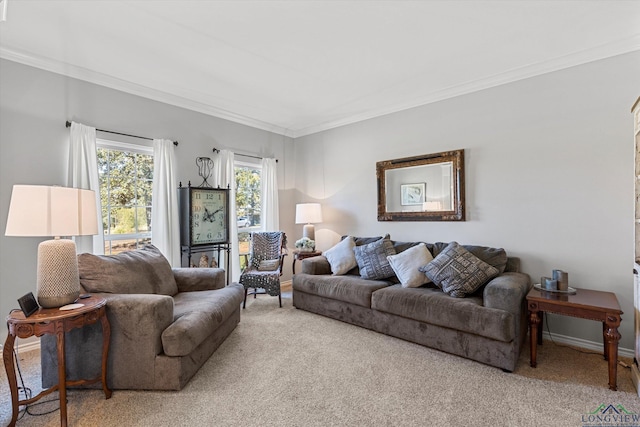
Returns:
(23, 347)
(586, 344)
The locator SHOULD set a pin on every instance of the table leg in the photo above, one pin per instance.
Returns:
(534, 322)
(611, 339)
(62, 375)
(106, 337)
(540, 326)
(604, 335)
(9, 366)
(293, 265)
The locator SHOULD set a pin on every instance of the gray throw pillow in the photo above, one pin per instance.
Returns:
(372, 259)
(496, 257)
(458, 272)
(142, 271)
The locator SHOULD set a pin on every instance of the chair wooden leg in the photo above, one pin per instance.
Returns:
(280, 300)
(244, 304)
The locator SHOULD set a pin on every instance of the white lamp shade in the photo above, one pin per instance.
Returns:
(39, 210)
(308, 213)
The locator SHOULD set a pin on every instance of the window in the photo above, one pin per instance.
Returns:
(248, 204)
(126, 176)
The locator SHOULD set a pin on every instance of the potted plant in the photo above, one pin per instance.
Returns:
(306, 245)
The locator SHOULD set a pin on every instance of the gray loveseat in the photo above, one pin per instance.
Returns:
(488, 326)
(165, 323)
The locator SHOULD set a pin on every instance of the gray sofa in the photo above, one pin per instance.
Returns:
(165, 323)
(488, 326)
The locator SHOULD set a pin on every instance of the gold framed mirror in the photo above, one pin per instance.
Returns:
(422, 188)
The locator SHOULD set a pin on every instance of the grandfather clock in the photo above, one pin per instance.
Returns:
(204, 223)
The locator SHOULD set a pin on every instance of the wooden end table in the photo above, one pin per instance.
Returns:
(585, 304)
(299, 255)
(55, 322)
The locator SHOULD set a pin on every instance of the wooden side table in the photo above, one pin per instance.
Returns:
(55, 322)
(585, 304)
(299, 255)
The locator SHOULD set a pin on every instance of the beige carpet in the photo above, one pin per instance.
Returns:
(287, 367)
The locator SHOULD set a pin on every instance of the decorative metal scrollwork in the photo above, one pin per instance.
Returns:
(205, 169)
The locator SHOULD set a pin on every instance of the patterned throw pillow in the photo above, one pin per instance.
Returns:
(458, 272)
(341, 257)
(372, 259)
(406, 264)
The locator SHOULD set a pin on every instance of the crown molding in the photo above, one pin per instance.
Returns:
(101, 79)
(604, 51)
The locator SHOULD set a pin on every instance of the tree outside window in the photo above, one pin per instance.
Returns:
(248, 205)
(125, 193)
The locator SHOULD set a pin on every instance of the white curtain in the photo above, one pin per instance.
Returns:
(225, 177)
(83, 173)
(269, 197)
(165, 227)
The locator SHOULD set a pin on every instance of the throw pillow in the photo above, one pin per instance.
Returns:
(372, 259)
(406, 264)
(269, 264)
(458, 272)
(496, 257)
(141, 271)
(341, 256)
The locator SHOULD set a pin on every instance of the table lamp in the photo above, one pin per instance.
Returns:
(308, 213)
(37, 211)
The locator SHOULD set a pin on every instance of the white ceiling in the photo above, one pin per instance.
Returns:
(299, 67)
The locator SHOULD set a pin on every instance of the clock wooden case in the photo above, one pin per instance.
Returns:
(204, 216)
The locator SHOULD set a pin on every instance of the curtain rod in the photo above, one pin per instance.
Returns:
(68, 124)
(215, 150)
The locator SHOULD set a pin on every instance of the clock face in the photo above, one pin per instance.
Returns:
(208, 216)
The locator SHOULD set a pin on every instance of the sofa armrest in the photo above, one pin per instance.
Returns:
(507, 292)
(316, 265)
(137, 321)
(199, 279)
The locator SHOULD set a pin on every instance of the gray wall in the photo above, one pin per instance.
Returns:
(549, 168)
(34, 144)
(549, 176)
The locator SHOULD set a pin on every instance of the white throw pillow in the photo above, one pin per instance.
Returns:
(341, 257)
(406, 264)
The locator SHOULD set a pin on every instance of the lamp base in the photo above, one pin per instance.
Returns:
(58, 279)
(309, 231)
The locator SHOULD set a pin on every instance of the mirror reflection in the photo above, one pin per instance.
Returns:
(422, 188)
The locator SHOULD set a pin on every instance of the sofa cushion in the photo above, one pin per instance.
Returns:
(141, 271)
(372, 259)
(496, 257)
(197, 315)
(406, 265)
(458, 272)
(341, 256)
(347, 288)
(430, 305)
